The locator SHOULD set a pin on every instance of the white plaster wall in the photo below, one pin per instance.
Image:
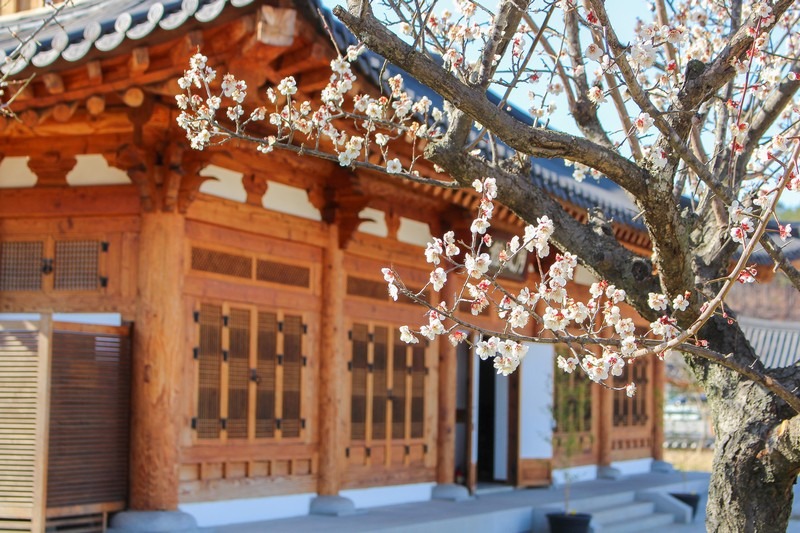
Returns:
(633, 466)
(374, 222)
(228, 184)
(392, 495)
(220, 513)
(583, 276)
(500, 427)
(575, 473)
(101, 319)
(536, 402)
(14, 173)
(93, 169)
(289, 200)
(413, 232)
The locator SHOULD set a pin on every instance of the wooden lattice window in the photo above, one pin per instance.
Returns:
(632, 411)
(283, 273)
(48, 264)
(21, 265)
(251, 368)
(76, 265)
(209, 358)
(241, 266)
(223, 263)
(387, 399)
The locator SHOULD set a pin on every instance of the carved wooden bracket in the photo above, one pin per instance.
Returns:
(167, 177)
(256, 188)
(51, 168)
(340, 201)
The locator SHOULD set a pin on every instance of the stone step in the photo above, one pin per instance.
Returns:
(603, 501)
(644, 524)
(630, 511)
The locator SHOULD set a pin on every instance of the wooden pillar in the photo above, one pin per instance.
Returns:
(606, 414)
(158, 353)
(446, 418)
(658, 408)
(333, 364)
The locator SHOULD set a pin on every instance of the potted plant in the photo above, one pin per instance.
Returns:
(569, 405)
(692, 499)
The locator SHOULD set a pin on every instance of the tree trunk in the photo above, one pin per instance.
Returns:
(751, 484)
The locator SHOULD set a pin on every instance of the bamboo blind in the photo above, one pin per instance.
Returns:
(22, 407)
(265, 387)
(89, 406)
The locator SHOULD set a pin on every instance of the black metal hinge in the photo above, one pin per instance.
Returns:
(224, 423)
(104, 246)
(347, 452)
(278, 423)
(196, 316)
(370, 367)
(47, 266)
(196, 352)
(225, 320)
(305, 328)
(408, 449)
(280, 359)
(302, 423)
(349, 366)
(225, 355)
(103, 281)
(369, 452)
(194, 423)
(305, 361)
(350, 335)
(280, 326)
(424, 448)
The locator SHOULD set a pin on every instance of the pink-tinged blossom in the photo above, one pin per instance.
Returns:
(596, 95)
(657, 302)
(433, 251)
(681, 301)
(406, 336)
(630, 389)
(479, 225)
(554, 319)
(593, 52)
(747, 275)
(457, 337)
(785, 231)
(393, 166)
(568, 365)
(438, 279)
(477, 266)
(643, 122)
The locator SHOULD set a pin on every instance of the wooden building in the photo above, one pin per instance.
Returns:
(250, 326)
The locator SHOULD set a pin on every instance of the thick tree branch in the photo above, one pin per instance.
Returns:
(519, 136)
(599, 251)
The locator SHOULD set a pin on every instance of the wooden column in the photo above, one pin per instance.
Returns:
(658, 408)
(605, 429)
(158, 353)
(333, 370)
(446, 417)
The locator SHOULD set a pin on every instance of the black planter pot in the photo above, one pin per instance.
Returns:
(569, 522)
(690, 499)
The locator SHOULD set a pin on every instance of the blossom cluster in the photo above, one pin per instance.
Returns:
(545, 310)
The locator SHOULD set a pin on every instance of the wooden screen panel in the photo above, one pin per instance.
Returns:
(224, 263)
(89, 419)
(265, 368)
(380, 355)
(272, 271)
(238, 372)
(292, 375)
(209, 358)
(76, 265)
(20, 409)
(632, 411)
(399, 374)
(418, 391)
(21, 265)
(358, 399)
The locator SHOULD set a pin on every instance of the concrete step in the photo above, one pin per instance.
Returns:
(642, 524)
(630, 511)
(603, 501)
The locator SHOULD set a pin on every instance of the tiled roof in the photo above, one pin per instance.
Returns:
(778, 343)
(104, 25)
(97, 24)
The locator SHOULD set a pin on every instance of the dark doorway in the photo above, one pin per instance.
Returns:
(486, 420)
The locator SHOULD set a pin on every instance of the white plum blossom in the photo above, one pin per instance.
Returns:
(438, 279)
(406, 336)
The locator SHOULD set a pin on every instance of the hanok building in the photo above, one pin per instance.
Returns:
(210, 331)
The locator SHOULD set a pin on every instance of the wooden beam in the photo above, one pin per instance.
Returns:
(64, 112)
(157, 364)
(95, 105)
(133, 97)
(139, 61)
(306, 58)
(256, 187)
(53, 83)
(94, 72)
